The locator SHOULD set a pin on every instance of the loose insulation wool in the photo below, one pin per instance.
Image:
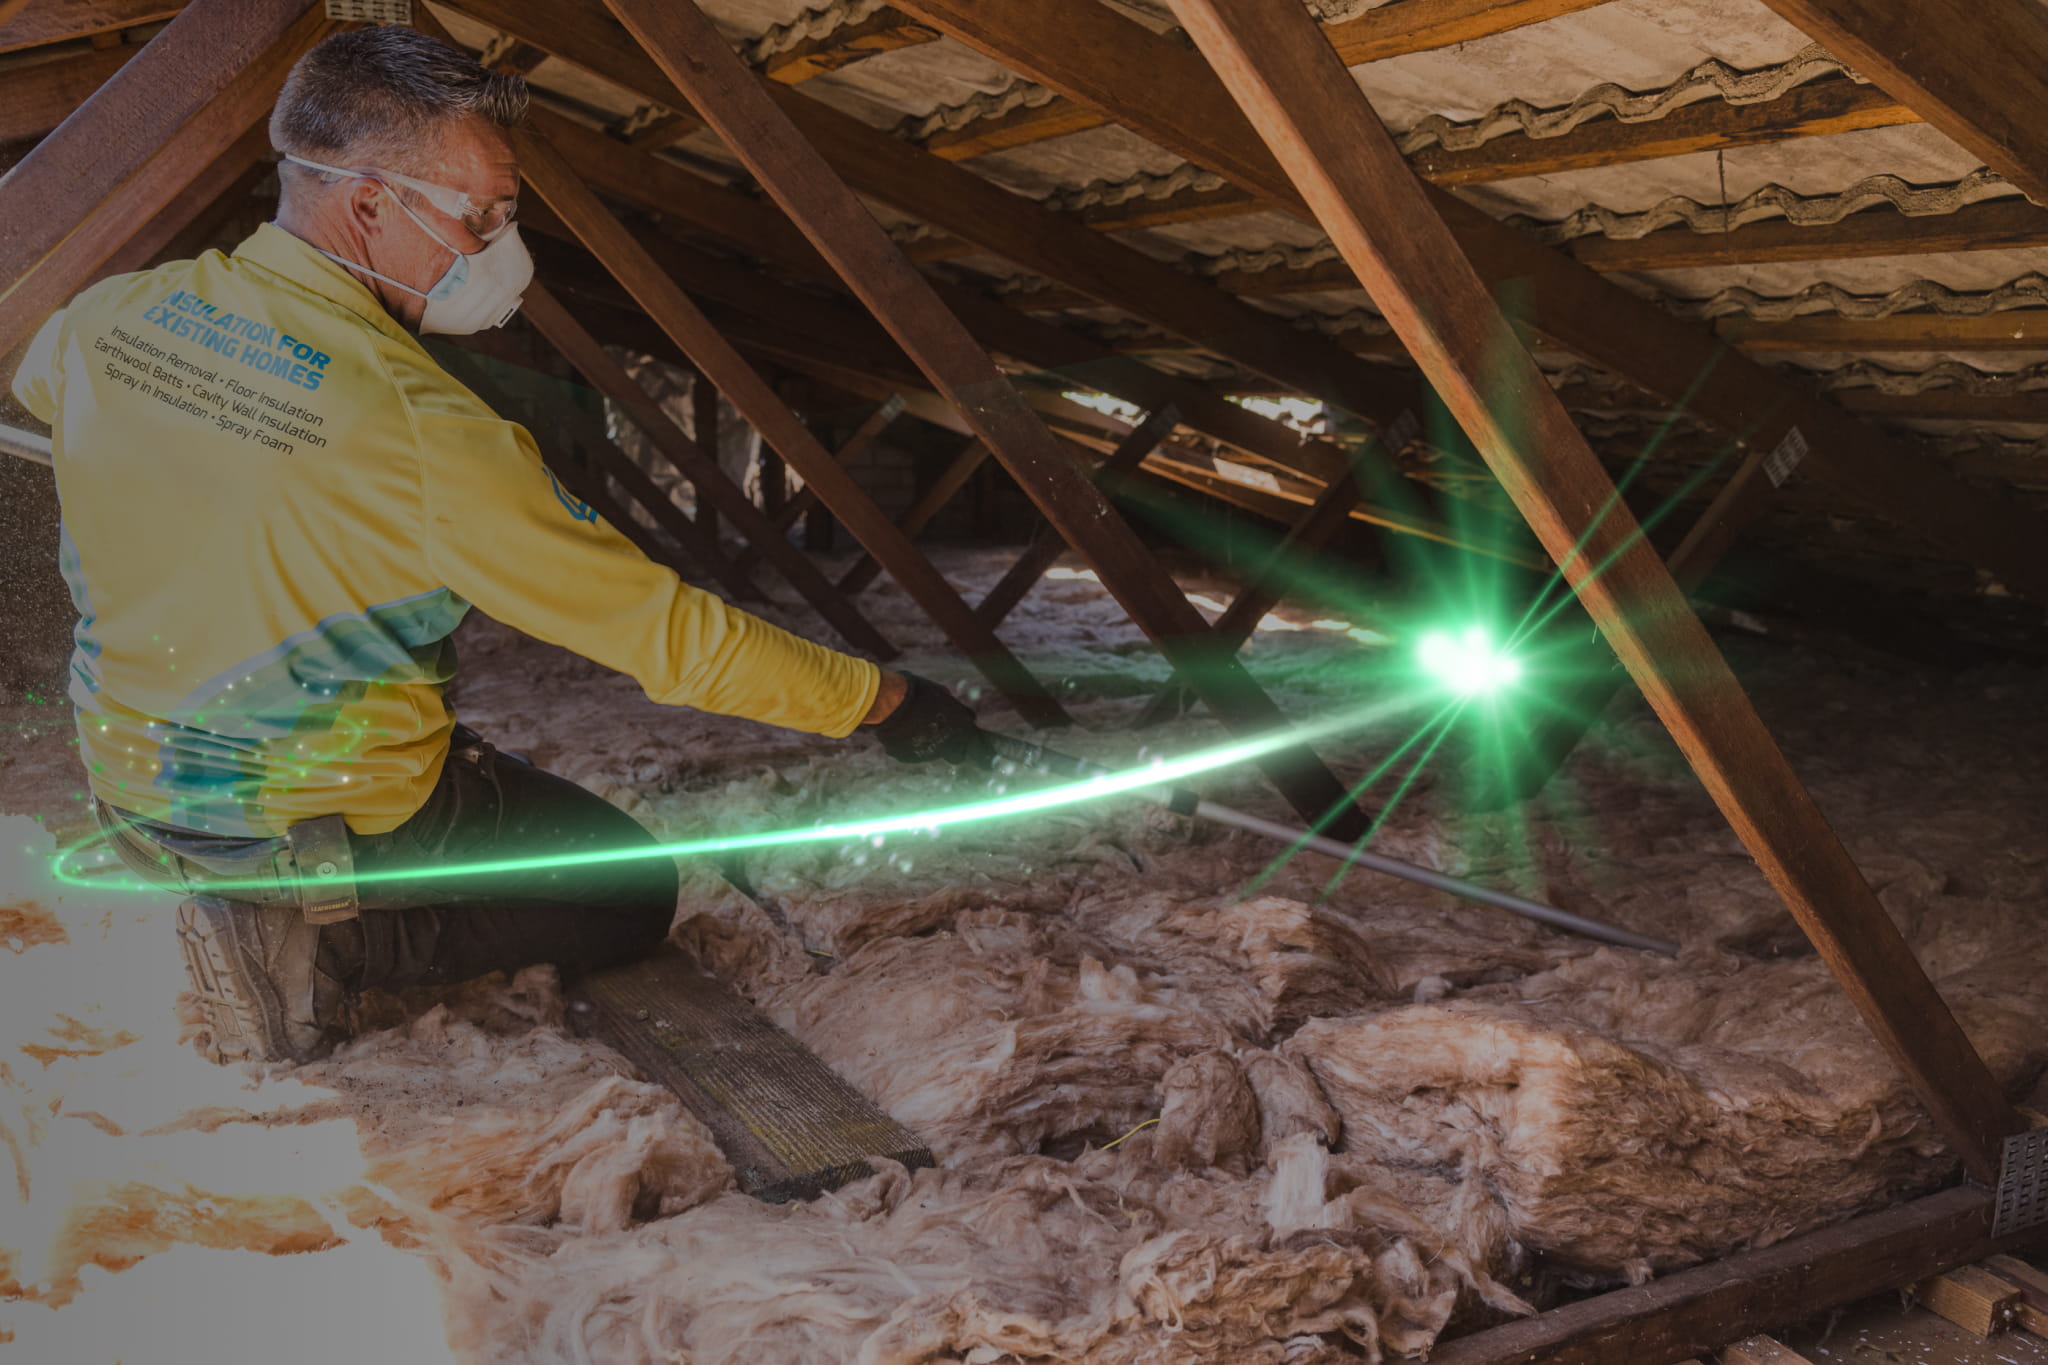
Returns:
(1187, 1106)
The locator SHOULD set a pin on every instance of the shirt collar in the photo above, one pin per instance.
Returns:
(276, 250)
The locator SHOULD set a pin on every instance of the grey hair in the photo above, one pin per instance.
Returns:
(381, 96)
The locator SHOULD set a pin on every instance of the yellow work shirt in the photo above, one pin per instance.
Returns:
(276, 509)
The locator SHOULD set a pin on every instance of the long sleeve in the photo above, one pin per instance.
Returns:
(503, 534)
(35, 383)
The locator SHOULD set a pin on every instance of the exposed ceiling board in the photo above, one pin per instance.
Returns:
(751, 18)
(1251, 231)
(1109, 153)
(1636, 44)
(1972, 271)
(1915, 153)
(917, 80)
(1990, 362)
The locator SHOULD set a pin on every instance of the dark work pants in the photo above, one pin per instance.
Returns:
(464, 904)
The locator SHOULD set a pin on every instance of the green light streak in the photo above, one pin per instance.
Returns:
(1443, 717)
(1158, 774)
(1386, 811)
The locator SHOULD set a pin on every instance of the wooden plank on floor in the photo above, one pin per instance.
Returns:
(792, 1127)
(1971, 1297)
(1320, 127)
(2031, 1314)
(1762, 1350)
(1697, 1310)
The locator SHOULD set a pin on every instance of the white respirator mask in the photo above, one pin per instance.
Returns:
(478, 290)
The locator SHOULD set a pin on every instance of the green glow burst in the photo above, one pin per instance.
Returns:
(1467, 662)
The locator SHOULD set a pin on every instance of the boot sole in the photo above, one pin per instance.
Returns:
(224, 962)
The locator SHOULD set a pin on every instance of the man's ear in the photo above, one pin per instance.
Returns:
(366, 203)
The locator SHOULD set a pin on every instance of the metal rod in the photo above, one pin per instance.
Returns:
(1179, 799)
(25, 444)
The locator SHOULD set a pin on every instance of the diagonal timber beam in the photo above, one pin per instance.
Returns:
(1976, 71)
(850, 450)
(1263, 590)
(1045, 547)
(920, 514)
(1276, 65)
(758, 128)
(182, 226)
(45, 22)
(563, 331)
(607, 463)
(128, 151)
(1160, 91)
(42, 96)
(552, 178)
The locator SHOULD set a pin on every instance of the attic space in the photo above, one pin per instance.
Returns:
(1496, 549)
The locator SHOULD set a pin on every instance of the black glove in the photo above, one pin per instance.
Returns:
(931, 723)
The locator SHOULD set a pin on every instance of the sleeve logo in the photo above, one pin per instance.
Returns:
(578, 508)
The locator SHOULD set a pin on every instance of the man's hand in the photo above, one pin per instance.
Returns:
(927, 723)
(888, 697)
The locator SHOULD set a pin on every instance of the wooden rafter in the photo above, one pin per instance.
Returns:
(920, 513)
(556, 182)
(43, 23)
(1161, 91)
(1424, 25)
(130, 149)
(1995, 225)
(1812, 110)
(1976, 71)
(555, 322)
(1046, 544)
(1275, 64)
(1263, 590)
(850, 450)
(182, 227)
(773, 146)
(654, 126)
(1938, 404)
(2020, 329)
(42, 96)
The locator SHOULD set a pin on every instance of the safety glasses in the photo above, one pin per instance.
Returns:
(487, 221)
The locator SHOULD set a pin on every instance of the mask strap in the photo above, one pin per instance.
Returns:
(378, 274)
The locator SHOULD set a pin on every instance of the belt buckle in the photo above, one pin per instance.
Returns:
(325, 869)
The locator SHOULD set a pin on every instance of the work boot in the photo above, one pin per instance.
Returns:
(271, 985)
